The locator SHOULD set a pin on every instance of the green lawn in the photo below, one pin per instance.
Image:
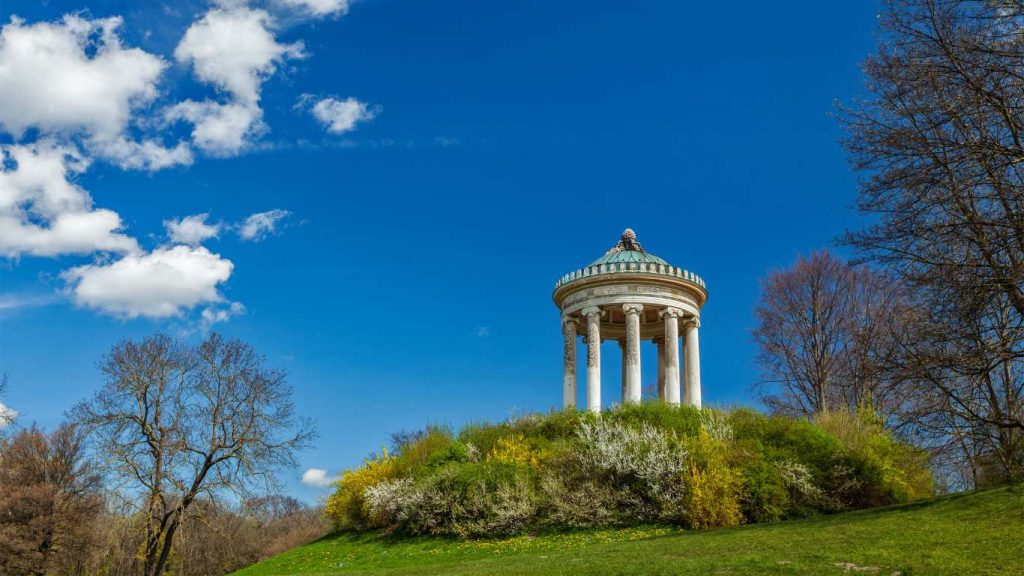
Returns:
(979, 533)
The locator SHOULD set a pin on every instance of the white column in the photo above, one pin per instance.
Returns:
(569, 367)
(660, 343)
(622, 356)
(692, 343)
(593, 316)
(671, 316)
(632, 351)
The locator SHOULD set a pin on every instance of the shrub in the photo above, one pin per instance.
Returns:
(347, 506)
(514, 449)
(684, 421)
(472, 500)
(484, 436)
(633, 464)
(573, 497)
(427, 449)
(765, 496)
(711, 497)
(388, 502)
(886, 469)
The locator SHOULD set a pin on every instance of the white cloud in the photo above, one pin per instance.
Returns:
(73, 92)
(318, 8)
(15, 301)
(43, 213)
(74, 77)
(318, 478)
(220, 129)
(215, 315)
(7, 415)
(161, 284)
(258, 226)
(341, 116)
(234, 50)
(144, 155)
(191, 229)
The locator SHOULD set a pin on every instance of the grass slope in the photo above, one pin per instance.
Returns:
(979, 533)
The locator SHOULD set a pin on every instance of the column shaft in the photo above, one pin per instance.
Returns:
(632, 351)
(593, 315)
(671, 355)
(569, 368)
(622, 350)
(692, 343)
(660, 343)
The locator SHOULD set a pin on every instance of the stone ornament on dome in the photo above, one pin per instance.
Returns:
(626, 243)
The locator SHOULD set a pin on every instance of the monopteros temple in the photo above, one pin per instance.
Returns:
(631, 295)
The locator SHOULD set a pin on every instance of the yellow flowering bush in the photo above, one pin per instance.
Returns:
(712, 487)
(515, 449)
(636, 464)
(347, 505)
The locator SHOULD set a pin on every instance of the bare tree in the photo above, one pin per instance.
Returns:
(49, 499)
(825, 332)
(7, 415)
(942, 146)
(179, 423)
(223, 539)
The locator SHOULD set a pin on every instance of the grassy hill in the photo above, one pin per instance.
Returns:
(979, 533)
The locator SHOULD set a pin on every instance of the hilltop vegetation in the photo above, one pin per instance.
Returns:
(977, 534)
(633, 465)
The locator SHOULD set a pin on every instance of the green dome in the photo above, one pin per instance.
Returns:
(628, 256)
(628, 250)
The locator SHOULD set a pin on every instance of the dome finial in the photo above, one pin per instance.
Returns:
(627, 242)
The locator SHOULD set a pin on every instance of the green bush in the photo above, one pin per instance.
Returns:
(429, 449)
(886, 469)
(630, 465)
(765, 496)
(474, 499)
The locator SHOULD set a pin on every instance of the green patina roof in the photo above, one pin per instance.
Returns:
(627, 250)
(628, 256)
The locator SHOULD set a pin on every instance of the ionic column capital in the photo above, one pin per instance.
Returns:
(569, 321)
(591, 311)
(693, 321)
(632, 308)
(671, 312)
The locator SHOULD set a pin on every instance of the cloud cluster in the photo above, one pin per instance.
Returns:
(191, 230)
(158, 284)
(234, 50)
(43, 213)
(73, 93)
(214, 315)
(318, 8)
(74, 78)
(341, 116)
(318, 478)
(262, 224)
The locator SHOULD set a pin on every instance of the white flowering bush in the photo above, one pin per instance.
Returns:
(634, 464)
(798, 479)
(716, 424)
(390, 501)
(643, 452)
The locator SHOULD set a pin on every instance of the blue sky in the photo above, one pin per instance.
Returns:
(426, 171)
